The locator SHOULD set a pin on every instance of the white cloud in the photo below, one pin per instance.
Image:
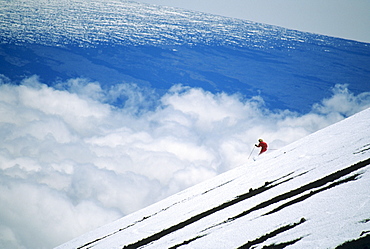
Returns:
(343, 102)
(71, 161)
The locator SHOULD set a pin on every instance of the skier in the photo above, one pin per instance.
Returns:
(261, 144)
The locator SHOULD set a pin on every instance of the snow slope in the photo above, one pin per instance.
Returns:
(88, 24)
(313, 193)
(117, 41)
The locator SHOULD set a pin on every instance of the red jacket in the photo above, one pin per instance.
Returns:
(263, 146)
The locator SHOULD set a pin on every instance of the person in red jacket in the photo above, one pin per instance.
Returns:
(261, 144)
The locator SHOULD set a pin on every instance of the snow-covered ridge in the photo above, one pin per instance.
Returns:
(89, 23)
(314, 193)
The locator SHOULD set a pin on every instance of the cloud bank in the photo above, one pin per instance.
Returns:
(76, 156)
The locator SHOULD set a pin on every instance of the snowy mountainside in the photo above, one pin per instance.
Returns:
(124, 22)
(119, 90)
(313, 193)
(125, 42)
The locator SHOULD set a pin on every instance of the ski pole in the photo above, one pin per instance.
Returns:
(251, 152)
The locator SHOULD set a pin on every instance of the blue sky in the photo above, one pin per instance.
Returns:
(348, 19)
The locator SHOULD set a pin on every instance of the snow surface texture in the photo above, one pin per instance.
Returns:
(313, 193)
(115, 42)
(89, 23)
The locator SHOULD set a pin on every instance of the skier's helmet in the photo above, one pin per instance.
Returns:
(260, 140)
